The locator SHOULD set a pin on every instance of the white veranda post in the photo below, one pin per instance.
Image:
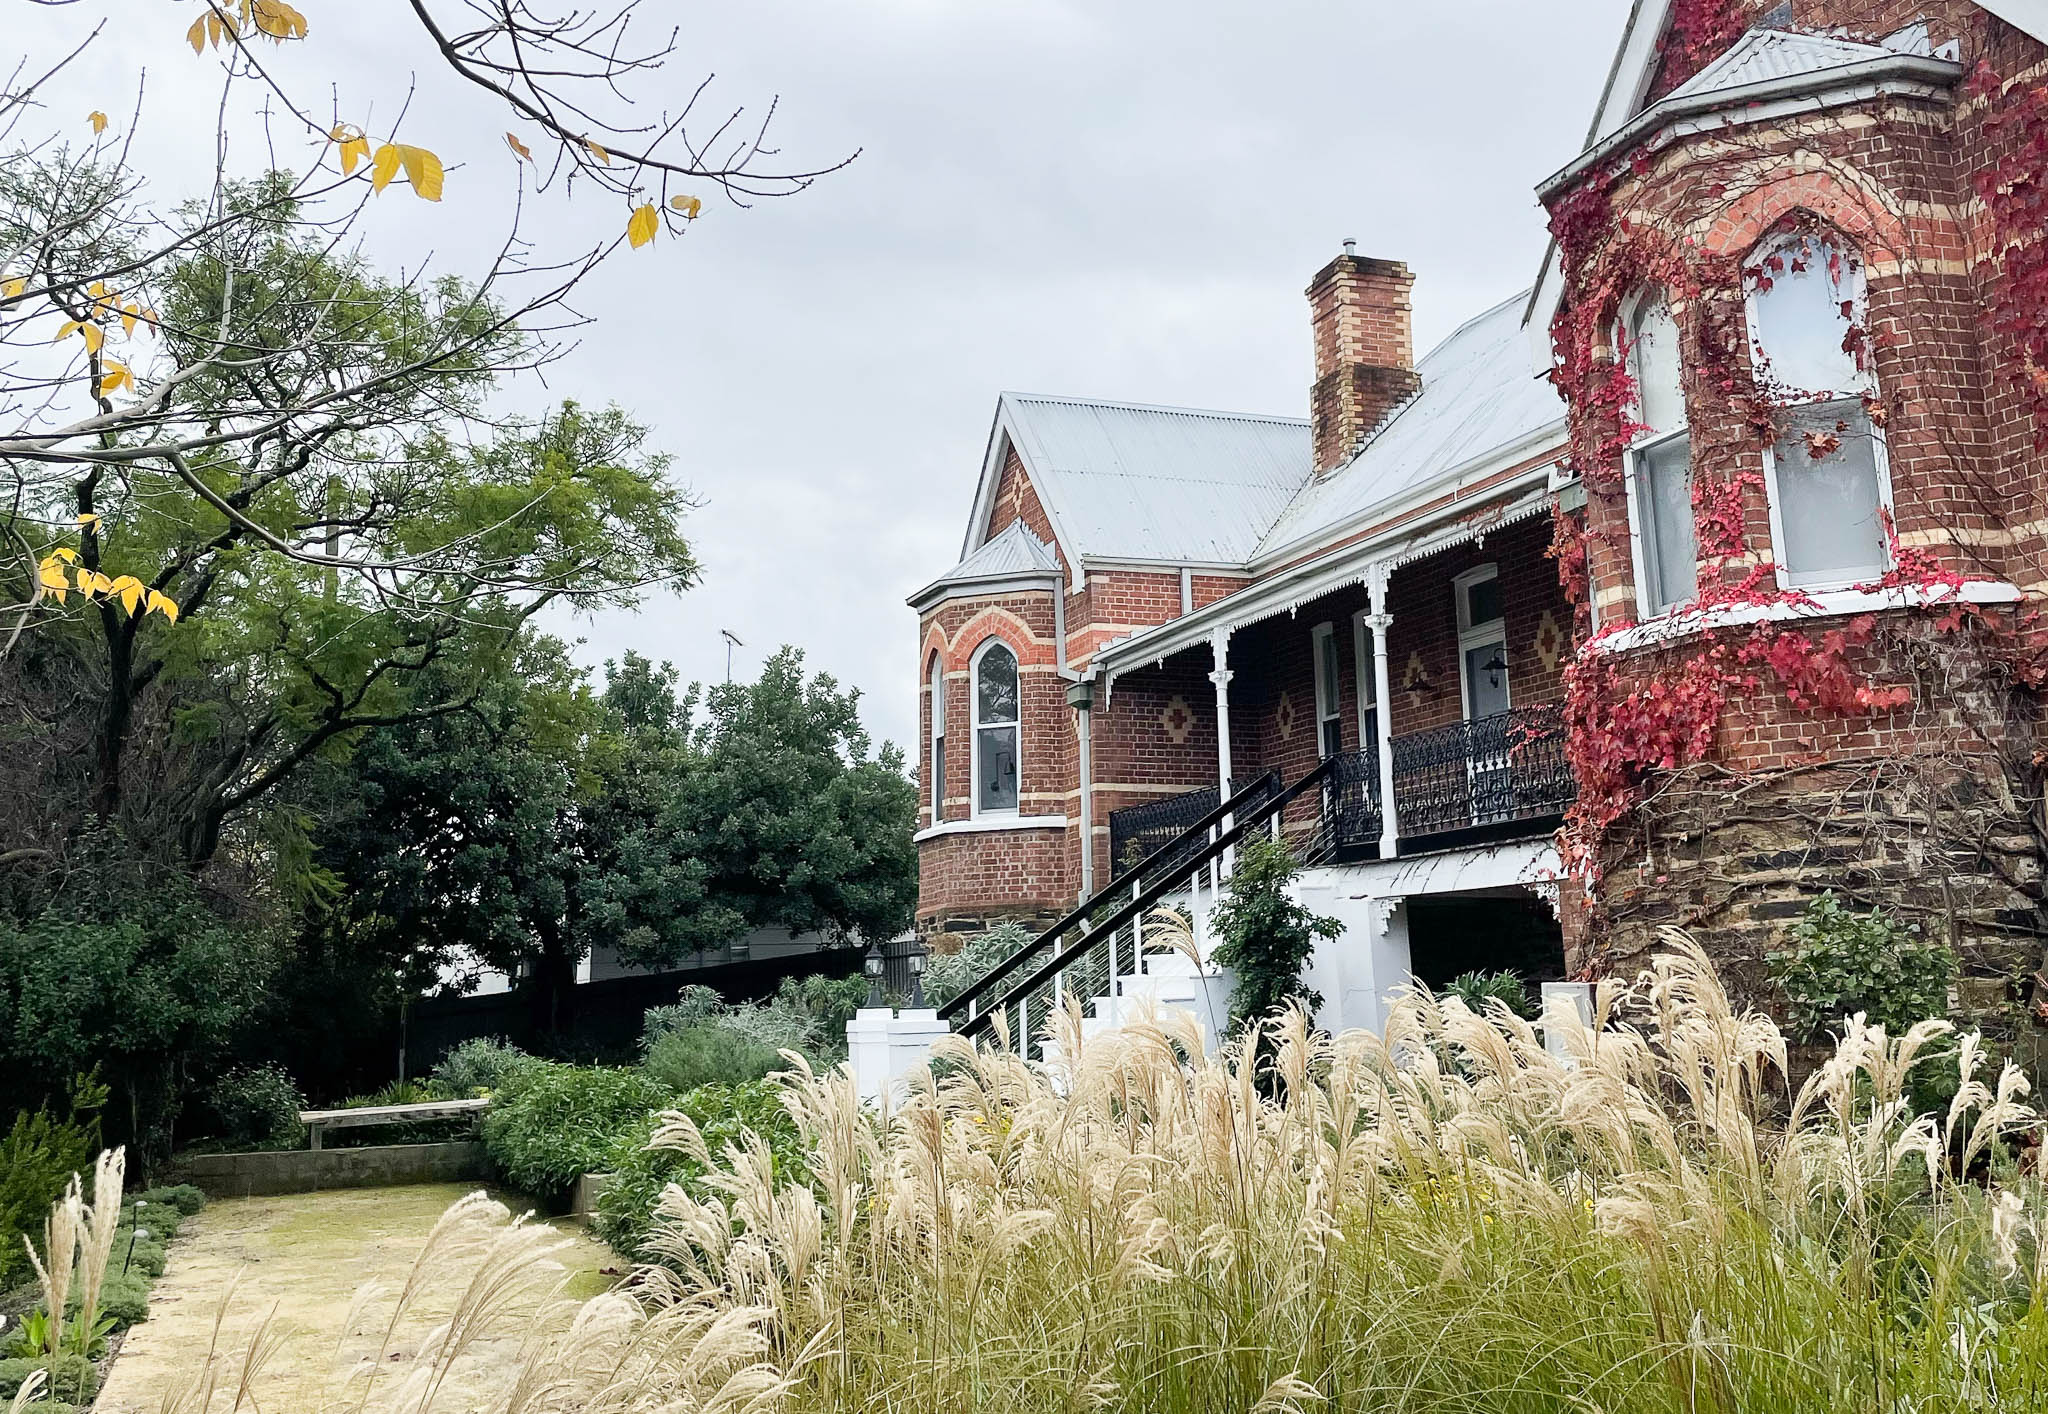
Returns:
(1379, 622)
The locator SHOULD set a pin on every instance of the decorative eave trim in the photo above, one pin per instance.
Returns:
(1892, 75)
(1006, 434)
(1353, 564)
(990, 825)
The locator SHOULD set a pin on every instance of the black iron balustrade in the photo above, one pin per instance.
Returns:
(1487, 771)
(1351, 805)
(1142, 830)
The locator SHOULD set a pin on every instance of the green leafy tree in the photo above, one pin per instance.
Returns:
(1267, 937)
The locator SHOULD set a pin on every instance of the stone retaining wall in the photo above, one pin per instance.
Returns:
(311, 1170)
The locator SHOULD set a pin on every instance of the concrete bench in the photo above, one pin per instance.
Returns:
(318, 1121)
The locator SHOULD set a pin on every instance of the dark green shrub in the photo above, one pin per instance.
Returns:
(1842, 962)
(1267, 937)
(693, 1006)
(708, 1054)
(257, 1107)
(137, 1253)
(37, 1158)
(182, 1196)
(721, 1112)
(70, 1377)
(124, 1298)
(481, 1066)
(947, 975)
(563, 1121)
(1476, 989)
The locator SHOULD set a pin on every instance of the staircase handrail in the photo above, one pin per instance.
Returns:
(1116, 885)
(1134, 906)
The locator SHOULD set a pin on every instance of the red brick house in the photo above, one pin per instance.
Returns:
(1746, 614)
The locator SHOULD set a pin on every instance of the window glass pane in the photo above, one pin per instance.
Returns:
(1801, 290)
(1660, 389)
(1332, 736)
(996, 686)
(1483, 602)
(938, 699)
(1664, 511)
(1326, 661)
(996, 786)
(1486, 679)
(938, 776)
(1826, 471)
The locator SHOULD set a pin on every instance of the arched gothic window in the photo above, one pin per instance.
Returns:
(937, 767)
(996, 720)
(1827, 473)
(1660, 462)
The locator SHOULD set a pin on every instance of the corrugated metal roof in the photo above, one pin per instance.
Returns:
(1128, 482)
(1765, 54)
(1478, 396)
(1010, 553)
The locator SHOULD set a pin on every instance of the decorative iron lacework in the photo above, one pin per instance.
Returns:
(1482, 772)
(1135, 832)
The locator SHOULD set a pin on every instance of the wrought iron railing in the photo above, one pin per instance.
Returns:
(1350, 804)
(1142, 830)
(1486, 771)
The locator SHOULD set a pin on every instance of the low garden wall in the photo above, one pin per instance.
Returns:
(310, 1170)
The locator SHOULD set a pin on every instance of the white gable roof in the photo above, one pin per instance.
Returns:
(2028, 15)
(1765, 54)
(1479, 407)
(1124, 481)
(1011, 555)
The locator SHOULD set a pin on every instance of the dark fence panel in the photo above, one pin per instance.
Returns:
(605, 1017)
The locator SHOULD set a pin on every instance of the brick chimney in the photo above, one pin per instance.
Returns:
(1365, 351)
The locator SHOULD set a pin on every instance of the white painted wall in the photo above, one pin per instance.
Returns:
(1357, 972)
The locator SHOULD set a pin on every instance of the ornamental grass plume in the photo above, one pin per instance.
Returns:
(1453, 1216)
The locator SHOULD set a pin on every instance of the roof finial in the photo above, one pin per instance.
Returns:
(1350, 247)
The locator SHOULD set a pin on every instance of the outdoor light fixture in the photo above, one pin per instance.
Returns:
(1495, 666)
(916, 961)
(872, 965)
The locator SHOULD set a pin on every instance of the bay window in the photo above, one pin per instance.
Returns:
(938, 757)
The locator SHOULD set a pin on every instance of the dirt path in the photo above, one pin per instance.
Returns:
(306, 1255)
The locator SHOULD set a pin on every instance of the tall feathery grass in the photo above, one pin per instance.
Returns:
(1447, 1218)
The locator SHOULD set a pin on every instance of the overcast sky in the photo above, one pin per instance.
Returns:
(1119, 199)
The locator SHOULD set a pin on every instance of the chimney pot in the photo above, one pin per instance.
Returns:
(1365, 352)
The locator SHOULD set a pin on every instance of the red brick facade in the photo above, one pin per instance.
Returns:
(1921, 807)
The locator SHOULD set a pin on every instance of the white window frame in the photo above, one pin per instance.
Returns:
(1859, 294)
(1637, 453)
(935, 755)
(975, 726)
(1362, 654)
(1471, 635)
(1329, 672)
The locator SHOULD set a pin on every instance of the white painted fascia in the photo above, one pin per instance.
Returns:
(990, 825)
(1489, 463)
(1683, 623)
(1137, 566)
(1891, 75)
(987, 587)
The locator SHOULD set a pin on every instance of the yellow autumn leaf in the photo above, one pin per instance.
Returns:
(356, 149)
(88, 518)
(91, 582)
(644, 223)
(69, 326)
(196, 36)
(688, 205)
(384, 166)
(128, 313)
(277, 19)
(98, 120)
(159, 602)
(50, 575)
(115, 377)
(423, 170)
(93, 335)
(97, 289)
(65, 553)
(12, 288)
(129, 590)
(512, 141)
(597, 151)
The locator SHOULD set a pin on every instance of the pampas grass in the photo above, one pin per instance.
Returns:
(1451, 1217)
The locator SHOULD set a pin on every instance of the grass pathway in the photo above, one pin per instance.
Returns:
(305, 1256)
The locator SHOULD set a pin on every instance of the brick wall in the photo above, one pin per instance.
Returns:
(1910, 810)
